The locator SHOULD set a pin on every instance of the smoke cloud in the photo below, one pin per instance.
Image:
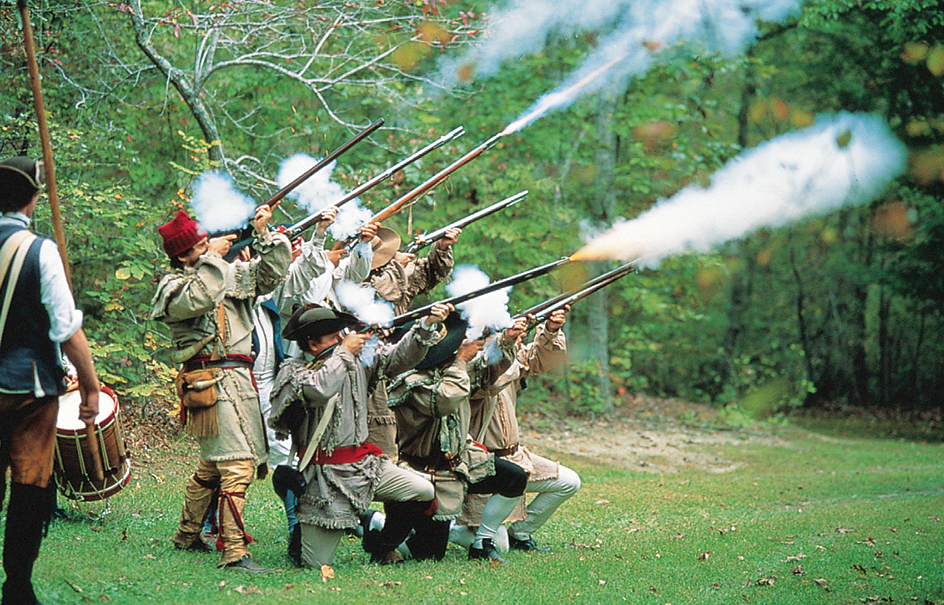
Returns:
(218, 205)
(362, 301)
(632, 31)
(842, 160)
(483, 312)
(318, 192)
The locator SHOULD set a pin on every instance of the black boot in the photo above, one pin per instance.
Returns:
(28, 512)
(429, 540)
(488, 552)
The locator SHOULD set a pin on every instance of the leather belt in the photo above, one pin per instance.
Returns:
(508, 451)
(218, 363)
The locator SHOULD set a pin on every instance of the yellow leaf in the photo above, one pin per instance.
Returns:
(327, 573)
(936, 60)
(123, 273)
(916, 128)
(913, 53)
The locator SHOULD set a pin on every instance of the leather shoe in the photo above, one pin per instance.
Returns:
(391, 557)
(527, 544)
(247, 565)
(197, 545)
(486, 553)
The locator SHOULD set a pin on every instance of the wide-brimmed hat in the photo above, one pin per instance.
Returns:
(312, 321)
(181, 234)
(385, 245)
(445, 350)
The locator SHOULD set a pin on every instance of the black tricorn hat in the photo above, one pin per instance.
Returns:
(312, 321)
(445, 350)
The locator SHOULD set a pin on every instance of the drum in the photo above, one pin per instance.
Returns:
(74, 465)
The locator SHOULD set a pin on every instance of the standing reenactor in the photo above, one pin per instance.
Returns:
(495, 425)
(320, 399)
(39, 320)
(433, 415)
(207, 303)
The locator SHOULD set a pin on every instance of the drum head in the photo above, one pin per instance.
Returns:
(68, 420)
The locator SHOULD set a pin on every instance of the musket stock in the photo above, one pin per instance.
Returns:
(421, 242)
(429, 184)
(507, 282)
(244, 236)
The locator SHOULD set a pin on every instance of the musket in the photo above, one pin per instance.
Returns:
(431, 182)
(542, 311)
(293, 231)
(421, 241)
(244, 235)
(507, 282)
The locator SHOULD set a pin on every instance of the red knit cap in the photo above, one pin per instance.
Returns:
(181, 234)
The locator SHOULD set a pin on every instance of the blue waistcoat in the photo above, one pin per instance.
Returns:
(29, 360)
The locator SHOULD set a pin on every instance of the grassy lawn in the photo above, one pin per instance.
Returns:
(802, 519)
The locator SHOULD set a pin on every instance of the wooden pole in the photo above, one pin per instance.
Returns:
(94, 450)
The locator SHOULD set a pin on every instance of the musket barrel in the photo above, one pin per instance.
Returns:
(293, 230)
(281, 193)
(427, 185)
(524, 276)
(421, 242)
(544, 309)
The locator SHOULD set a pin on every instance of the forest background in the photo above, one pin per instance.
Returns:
(142, 97)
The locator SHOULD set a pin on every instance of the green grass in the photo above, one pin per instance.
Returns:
(812, 520)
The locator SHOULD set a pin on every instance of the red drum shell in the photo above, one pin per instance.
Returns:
(74, 463)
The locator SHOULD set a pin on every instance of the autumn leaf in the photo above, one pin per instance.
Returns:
(935, 60)
(913, 53)
(704, 556)
(822, 583)
(767, 581)
(327, 573)
(798, 571)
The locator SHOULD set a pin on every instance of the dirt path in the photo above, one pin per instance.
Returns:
(645, 434)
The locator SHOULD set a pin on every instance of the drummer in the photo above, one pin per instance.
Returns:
(39, 323)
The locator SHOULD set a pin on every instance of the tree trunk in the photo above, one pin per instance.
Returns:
(602, 208)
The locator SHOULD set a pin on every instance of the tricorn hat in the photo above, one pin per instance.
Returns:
(20, 179)
(385, 245)
(23, 167)
(445, 350)
(311, 321)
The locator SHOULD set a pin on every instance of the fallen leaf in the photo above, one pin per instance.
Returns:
(327, 573)
(767, 581)
(796, 557)
(247, 590)
(822, 583)
(798, 571)
(704, 556)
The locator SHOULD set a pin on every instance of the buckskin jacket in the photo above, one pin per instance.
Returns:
(433, 416)
(497, 403)
(400, 285)
(337, 491)
(187, 301)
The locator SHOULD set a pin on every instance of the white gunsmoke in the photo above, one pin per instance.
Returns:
(842, 160)
(218, 205)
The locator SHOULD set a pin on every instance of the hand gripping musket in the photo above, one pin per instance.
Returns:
(507, 282)
(431, 182)
(542, 311)
(421, 241)
(293, 231)
(244, 236)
